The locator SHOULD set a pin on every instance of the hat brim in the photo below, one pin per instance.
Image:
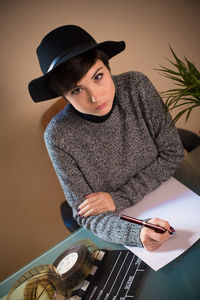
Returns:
(39, 87)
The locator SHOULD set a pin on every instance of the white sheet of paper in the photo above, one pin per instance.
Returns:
(177, 204)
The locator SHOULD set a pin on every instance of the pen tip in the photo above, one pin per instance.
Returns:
(172, 229)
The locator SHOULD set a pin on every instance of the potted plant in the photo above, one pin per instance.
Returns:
(186, 96)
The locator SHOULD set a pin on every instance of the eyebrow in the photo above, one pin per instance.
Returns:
(96, 72)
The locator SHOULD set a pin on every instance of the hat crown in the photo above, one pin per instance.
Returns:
(60, 40)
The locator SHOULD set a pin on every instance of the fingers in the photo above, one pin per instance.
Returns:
(91, 212)
(151, 245)
(152, 235)
(152, 240)
(89, 206)
(163, 223)
(89, 200)
(90, 209)
(96, 203)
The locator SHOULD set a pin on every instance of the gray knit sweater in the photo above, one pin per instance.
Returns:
(128, 155)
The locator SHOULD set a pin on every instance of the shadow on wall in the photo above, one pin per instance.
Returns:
(52, 111)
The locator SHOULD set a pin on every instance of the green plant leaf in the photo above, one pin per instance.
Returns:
(186, 77)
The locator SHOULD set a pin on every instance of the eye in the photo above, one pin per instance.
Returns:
(98, 76)
(76, 91)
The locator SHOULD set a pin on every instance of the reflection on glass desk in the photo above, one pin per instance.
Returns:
(189, 171)
(180, 279)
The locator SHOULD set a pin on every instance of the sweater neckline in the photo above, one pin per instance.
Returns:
(93, 118)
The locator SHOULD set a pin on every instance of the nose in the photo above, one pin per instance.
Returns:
(95, 94)
(96, 98)
(93, 99)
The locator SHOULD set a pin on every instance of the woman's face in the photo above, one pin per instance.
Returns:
(94, 93)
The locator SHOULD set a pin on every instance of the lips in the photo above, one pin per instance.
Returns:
(100, 107)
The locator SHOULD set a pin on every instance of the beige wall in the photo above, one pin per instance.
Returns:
(30, 193)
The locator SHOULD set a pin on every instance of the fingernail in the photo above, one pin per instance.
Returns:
(172, 229)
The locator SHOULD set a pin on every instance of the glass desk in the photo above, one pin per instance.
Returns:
(180, 279)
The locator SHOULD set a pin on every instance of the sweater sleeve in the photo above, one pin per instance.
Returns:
(167, 141)
(107, 226)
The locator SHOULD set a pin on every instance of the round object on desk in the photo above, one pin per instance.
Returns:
(47, 286)
(42, 280)
(58, 281)
(74, 264)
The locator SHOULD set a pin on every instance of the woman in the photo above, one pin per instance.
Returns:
(112, 144)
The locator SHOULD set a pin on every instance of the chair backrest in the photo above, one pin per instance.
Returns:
(190, 140)
(67, 216)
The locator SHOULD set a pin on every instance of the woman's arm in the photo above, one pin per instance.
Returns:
(107, 225)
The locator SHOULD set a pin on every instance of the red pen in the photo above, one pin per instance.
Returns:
(157, 228)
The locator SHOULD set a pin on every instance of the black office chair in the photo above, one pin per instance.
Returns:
(190, 140)
(67, 216)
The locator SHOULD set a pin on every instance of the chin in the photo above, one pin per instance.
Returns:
(104, 111)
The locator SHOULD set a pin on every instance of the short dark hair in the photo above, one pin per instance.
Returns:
(65, 76)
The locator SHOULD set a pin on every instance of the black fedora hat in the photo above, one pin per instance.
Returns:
(60, 45)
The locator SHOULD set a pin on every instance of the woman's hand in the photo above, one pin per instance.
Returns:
(152, 240)
(96, 203)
